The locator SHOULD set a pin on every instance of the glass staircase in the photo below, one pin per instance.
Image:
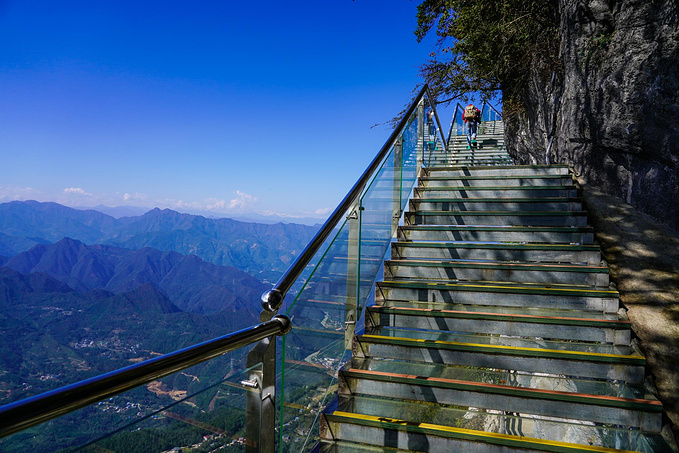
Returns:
(495, 327)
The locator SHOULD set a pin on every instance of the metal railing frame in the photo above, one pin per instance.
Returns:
(272, 300)
(458, 107)
(487, 104)
(483, 109)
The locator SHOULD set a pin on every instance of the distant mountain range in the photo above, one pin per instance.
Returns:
(117, 211)
(130, 211)
(70, 310)
(192, 284)
(262, 250)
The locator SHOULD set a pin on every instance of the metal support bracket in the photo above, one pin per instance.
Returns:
(260, 411)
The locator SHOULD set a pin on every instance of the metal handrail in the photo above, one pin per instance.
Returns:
(452, 122)
(20, 415)
(273, 298)
(440, 128)
(493, 108)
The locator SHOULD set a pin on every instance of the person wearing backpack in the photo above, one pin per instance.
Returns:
(472, 118)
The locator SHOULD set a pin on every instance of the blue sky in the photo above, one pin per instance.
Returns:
(231, 108)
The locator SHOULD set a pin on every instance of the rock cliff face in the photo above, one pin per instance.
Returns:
(612, 109)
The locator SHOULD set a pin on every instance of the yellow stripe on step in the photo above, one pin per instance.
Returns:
(478, 436)
(512, 348)
(528, 288)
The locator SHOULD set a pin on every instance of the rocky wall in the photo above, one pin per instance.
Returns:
(612, 109)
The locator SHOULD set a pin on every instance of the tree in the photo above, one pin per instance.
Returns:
(487, 46)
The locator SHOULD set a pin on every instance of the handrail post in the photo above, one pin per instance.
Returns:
(260, 418)
(482, 126)
(353, 273)
(429, 132)
(420, 135)
(256, 439)
(397, 192)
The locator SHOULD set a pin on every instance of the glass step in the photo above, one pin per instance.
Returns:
(539, 381)
(353, 447)
(552, 312)
(495, 251)
(475, 419)
(558, 328)
(502, 340)
(497, 234)
(467, 350)
(503, 287)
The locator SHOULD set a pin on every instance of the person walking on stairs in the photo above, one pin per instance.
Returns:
(431, 131)
(472, 118)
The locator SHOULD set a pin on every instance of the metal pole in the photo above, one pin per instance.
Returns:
(353, 277)
(420, 136)
(397, 193)
(260, 417)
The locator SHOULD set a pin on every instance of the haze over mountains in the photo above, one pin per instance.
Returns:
(251, 217)
(262, 250)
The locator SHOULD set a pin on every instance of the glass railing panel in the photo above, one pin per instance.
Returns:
(410, 153)
(313, 350)
(457, 130)
(490, 114)
(430, 133)
(380, 206)
(328, 308)
(434, 142)
(201, 408)
(459, 121)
